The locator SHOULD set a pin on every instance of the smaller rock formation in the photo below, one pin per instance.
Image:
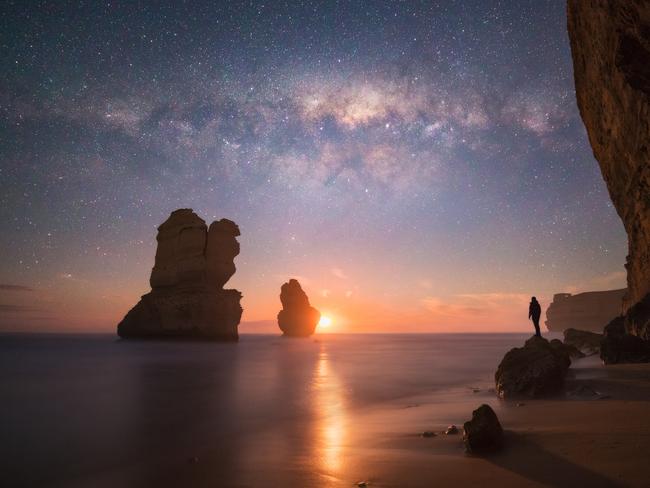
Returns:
(535, 370)
(187, 299)
(618, 346)
(451, 430)
(585, 311)
(297, 317)
(483, 433)
(587, 342)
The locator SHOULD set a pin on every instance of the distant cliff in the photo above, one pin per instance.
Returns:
(591, 311)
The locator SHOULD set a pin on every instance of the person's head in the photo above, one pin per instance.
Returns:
(533, 299)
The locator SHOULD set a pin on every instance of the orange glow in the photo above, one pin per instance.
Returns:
(351, 299)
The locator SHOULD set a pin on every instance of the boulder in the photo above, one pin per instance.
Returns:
(585, 341)
(451, 430)
(187, 299)
(535, 370)
(297, 317)
(610, 46)
(617, 346)
(483, 433)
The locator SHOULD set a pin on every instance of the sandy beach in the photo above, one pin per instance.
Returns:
(551, 442)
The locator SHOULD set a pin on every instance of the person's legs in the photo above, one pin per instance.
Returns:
(536, 322)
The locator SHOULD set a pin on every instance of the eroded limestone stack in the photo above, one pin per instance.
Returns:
(610, 45)
(297, 317)
(187, 298)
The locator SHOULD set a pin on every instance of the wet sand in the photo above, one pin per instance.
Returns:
(559, 442)
(600, 441)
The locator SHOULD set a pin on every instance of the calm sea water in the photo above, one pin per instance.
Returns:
(90, 410)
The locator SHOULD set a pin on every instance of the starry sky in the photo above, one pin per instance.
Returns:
(418, 166)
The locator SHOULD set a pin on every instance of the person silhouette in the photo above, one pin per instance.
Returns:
(535, 312)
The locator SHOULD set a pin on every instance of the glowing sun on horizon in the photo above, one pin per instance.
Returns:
(325, 322)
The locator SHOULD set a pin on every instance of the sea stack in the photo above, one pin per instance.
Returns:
(187, 299)
(297, 317)
(610, 46)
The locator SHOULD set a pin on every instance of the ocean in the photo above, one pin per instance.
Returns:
(93, 410)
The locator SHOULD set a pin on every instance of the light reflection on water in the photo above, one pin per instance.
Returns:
(330, 414)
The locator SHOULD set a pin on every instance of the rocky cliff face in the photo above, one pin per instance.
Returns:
(187, 298)
(585, 311)
(610, 44)
(297, 317)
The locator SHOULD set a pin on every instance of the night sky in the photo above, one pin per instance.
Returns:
(419, 166)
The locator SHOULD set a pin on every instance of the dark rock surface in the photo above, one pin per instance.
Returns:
(585, 311)
(618, 346)
(585, 341)
(537, 369)
(625, 339)
(610, 45)
(483, 433)
(187, 299)
(584, 392)
(451, 430)
(297, 317)
(637, 318)
(572, 351)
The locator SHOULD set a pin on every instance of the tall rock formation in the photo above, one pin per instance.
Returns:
(297, 317)
(610, 44)
(187, 298)
(590, 311)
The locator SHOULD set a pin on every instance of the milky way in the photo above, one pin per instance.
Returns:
(411, 162)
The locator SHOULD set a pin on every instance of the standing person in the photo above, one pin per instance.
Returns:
(535, 312)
